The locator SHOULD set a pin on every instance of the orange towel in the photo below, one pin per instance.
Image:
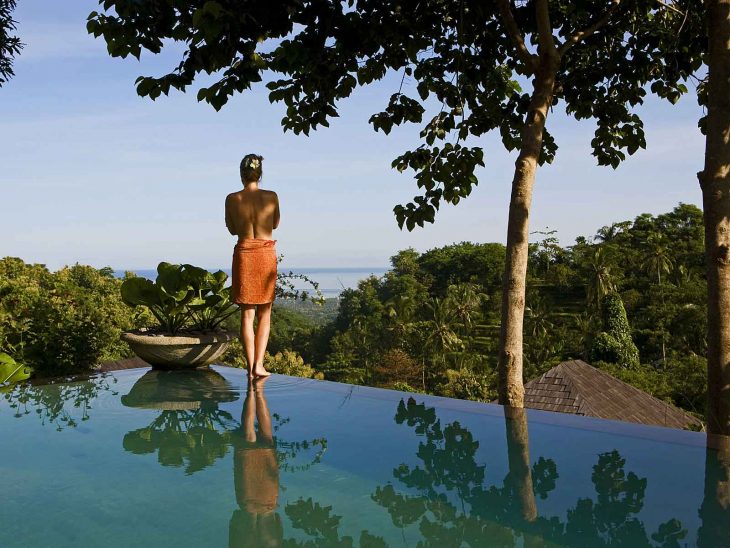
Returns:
(254, 271)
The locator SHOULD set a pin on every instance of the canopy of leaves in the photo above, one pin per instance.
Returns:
(458, 57)
(10, 45)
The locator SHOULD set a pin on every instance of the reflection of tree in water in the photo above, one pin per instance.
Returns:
(63, 404)
(445, 495)
(452, 506)
(190, 429)
(193, 438)
(715, 510)
(322, 525)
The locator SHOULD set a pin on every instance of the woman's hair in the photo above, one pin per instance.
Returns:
(251, 168)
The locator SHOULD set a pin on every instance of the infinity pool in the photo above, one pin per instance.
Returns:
(145, 458)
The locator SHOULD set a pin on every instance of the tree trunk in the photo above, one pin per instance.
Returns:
(511, 389)
(664, 316)
(715, 184)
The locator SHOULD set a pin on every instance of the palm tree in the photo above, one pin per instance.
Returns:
(600, 278)
(657, 260)
(364, 334)
(683, 276)
(657, 257)
(538, 317)
(464, 299)
(441, 335)
(400, 311)
(607, 234)
(585, 325)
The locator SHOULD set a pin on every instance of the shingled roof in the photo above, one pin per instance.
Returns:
(579, 388)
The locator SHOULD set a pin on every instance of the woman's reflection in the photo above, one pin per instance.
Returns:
(256, 475)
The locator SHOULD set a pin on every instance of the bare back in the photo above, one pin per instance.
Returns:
(252, 213)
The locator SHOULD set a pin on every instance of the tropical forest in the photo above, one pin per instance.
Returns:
(629, 299)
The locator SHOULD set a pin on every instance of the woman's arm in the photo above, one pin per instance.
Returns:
(229, 220)
(277, 213)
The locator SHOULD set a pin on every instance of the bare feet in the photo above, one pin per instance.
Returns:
(259, 371)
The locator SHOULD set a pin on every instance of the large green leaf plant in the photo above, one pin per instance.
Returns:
(182, 297)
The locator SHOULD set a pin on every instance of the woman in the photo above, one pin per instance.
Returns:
(252, 214)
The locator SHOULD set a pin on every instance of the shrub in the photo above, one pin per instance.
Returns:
(404, 387)
(469, 385)
(62, 322)
(77, 322)
(233, 355)
(397, 367)
(688, 381)
(289, 362)
(614, 344)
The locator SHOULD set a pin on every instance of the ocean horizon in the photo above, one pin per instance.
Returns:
(332, 280)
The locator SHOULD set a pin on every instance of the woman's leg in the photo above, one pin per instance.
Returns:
(248, 313)
(263, 315)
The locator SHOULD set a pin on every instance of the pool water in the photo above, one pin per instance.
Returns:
(146, 458)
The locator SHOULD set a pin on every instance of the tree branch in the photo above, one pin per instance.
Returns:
(670, 7)
(583, 34)
(545, 29)
(505, 10)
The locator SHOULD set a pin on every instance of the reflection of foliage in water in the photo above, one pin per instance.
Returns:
(196, 438)
(180, 437)
(448, 499)
(318, 522)
(287, 451)
(57, 403)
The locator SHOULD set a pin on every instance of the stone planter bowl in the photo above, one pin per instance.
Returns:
(186, 351)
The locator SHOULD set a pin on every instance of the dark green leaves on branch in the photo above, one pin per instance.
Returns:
(457, 66)
(10, 45)
(446, 174)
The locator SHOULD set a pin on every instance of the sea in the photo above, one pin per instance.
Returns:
(332, 281)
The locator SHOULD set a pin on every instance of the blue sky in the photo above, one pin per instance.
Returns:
(92, 173)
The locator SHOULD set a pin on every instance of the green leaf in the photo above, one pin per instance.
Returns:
(139, 291)
(11, 371)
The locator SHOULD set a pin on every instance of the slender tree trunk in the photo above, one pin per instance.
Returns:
(423, 373)
(664, 316)
(715, 184)
(511, 389)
